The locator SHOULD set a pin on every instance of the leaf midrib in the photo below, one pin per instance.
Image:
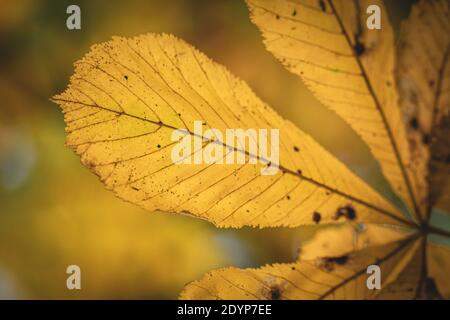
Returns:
(383, 116)
(281, 167)
(387, 257)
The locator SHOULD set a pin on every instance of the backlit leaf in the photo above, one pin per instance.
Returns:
(348, 67)
(423, 78)
(339, 240)
(126, 98)
(341, 277)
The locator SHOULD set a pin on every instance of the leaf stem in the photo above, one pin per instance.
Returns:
(439, 231)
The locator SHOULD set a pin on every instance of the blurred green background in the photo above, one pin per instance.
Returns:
(54, 212)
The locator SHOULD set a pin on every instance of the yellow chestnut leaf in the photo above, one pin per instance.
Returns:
(128, 96)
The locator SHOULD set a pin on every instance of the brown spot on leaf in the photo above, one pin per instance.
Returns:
(359, 48)
(275, 292)
(328, 263)
(348, 212)
(316, 217)
(325, 265)
(414, 123)
(338, 260)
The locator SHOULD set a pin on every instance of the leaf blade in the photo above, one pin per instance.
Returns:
(423, 74)
(341, 66)
(127, 97)
(327, 278)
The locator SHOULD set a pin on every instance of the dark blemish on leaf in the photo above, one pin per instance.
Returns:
(299, 171)
(338, 260)
(347, 212)
(294, 13)
(322, 5)
(277, 16)
(325, 265)
(292, 268)
(275, 293)
(414, 123)
(296, 149)
(431, 83)
(159, 146)
(359, 48)
(134, 188)
(316, 217)
(426, 138)
(126, 77)
(328, 263)
(288, 197)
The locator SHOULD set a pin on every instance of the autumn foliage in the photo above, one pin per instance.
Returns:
(127, 96)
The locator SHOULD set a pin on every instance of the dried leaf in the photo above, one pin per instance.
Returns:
(423, 78)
